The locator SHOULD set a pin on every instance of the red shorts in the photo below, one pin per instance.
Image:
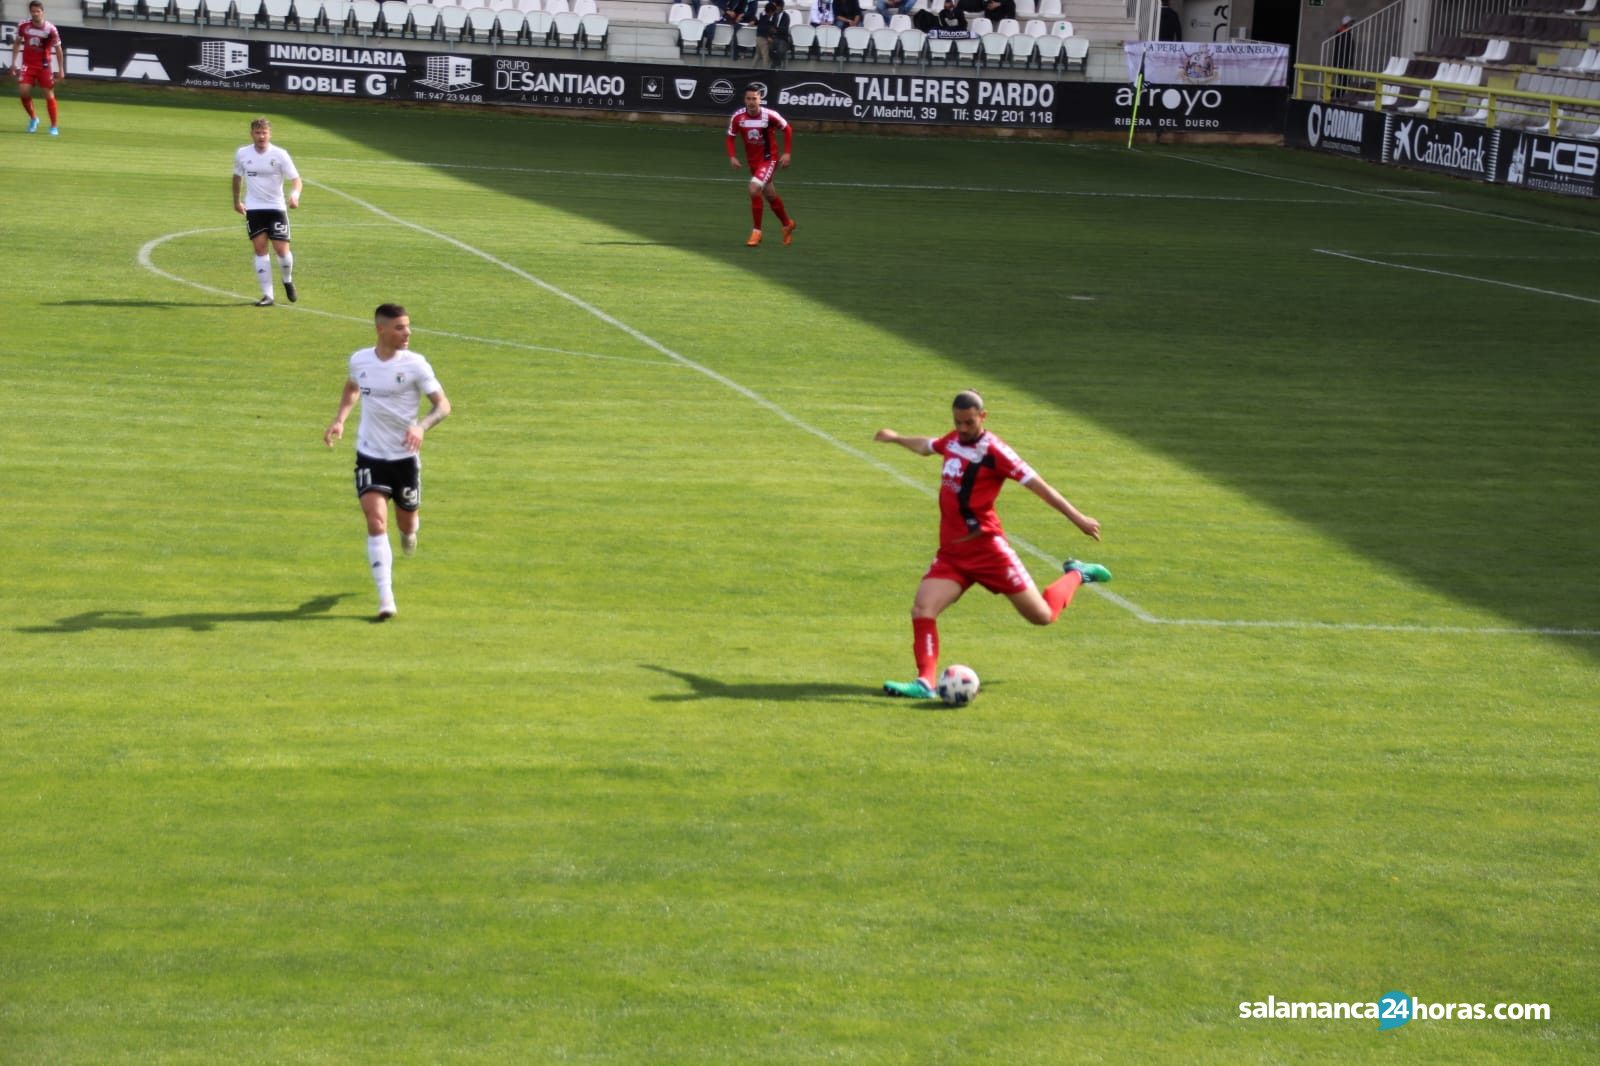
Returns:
(42, 76)
(986, 561)
(763, 172)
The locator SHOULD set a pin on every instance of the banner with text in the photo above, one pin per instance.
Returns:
(1208, 62)
(382, 70)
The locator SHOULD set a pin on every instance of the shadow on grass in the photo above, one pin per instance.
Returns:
(313, 610)
(1414, 419)
(709, 688)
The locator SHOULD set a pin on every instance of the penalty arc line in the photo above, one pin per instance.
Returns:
(828, 438)
(147, 250)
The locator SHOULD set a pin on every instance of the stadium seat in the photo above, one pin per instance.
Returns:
(481, 24)
(828, 39)
(468, 5)
(913, 46)
(1061, 28)
(969, 50)
(538, 26)
(993, 49)
(396, 18)
(1048, 50)
(503, 5)
(691, 37)
(1075, 51)
(1026, 9)
(279, 14)
(584, 7)
(885, 45)
(678, 13)
(528, 7)
(331, 16)
(559, 7)
(803, 39)
(1024, 50)
(364, 15)
(565, 28)
(510, 25)
(424, 20)
(710, 14)
(857, 44)
(719, 39)
(194, 9)
(1050, 9)
(900, 22)
(940, 50)
(1009, 27)
(452, 23)
(1036, 28)
(980, 26)
(597, 30)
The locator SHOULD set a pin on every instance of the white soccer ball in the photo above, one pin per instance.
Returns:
(958, 685)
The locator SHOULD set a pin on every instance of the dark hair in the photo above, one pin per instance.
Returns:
(35, 4)
(390, 311)
(967, 400)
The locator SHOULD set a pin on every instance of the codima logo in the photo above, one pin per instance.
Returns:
(813, 94)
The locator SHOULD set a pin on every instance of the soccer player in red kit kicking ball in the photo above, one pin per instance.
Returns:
(36, 41)
(972, 546)
(758, 127)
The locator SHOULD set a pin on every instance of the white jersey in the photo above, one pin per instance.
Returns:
(264, 174)
(391, 394)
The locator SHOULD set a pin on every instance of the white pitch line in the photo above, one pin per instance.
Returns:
(1460, 277)
(766, 404)
(1391, 197)
(148, 248)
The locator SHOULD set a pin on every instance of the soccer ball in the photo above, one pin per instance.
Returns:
(958, 685)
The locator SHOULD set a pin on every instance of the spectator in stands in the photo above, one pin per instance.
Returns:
(995, 10)
(1170, 28)
(846, 13)
(822, 12)
(951, 18)
(890, 8)
(772, 35)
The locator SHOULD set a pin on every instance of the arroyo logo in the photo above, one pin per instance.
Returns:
(1394, 1010)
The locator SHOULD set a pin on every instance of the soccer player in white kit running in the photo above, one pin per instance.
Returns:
(389, 379)
(261, 167)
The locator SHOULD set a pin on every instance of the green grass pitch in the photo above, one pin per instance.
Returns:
(616, 786)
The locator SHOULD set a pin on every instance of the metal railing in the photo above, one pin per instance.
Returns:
(1505, 108)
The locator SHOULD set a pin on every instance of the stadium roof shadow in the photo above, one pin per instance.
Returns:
(1484, 507)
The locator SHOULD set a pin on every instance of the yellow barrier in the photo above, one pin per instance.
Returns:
(1512, 108)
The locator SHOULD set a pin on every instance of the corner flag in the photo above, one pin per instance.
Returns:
(1138, 91)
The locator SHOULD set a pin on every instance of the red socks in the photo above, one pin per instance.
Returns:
(51, 104)
(755, 211)
(925, 647)
(777, 209)
(1059, 592)
(27, 105)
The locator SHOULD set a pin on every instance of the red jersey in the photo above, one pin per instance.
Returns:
(970, 482)
(39, 43)
(759, 133)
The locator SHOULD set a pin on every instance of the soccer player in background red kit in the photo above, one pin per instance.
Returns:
(758, 127)
(36, 41)
(972, 546)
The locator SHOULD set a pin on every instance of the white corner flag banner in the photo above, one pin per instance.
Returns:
(1207, 63)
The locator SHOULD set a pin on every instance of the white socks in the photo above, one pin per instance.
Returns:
(264, 274)
(286, 266)
(382, 560)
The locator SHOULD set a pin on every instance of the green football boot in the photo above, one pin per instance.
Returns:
(1090, 571)
(916, 689)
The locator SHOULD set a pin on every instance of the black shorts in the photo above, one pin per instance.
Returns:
(275, 224)
(398, 479)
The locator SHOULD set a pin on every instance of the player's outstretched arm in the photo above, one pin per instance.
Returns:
(1041, 488)
(347, 403)
(920, 445)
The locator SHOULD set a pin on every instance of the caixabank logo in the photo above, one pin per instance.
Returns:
(1553, 165)
(1465, 151)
